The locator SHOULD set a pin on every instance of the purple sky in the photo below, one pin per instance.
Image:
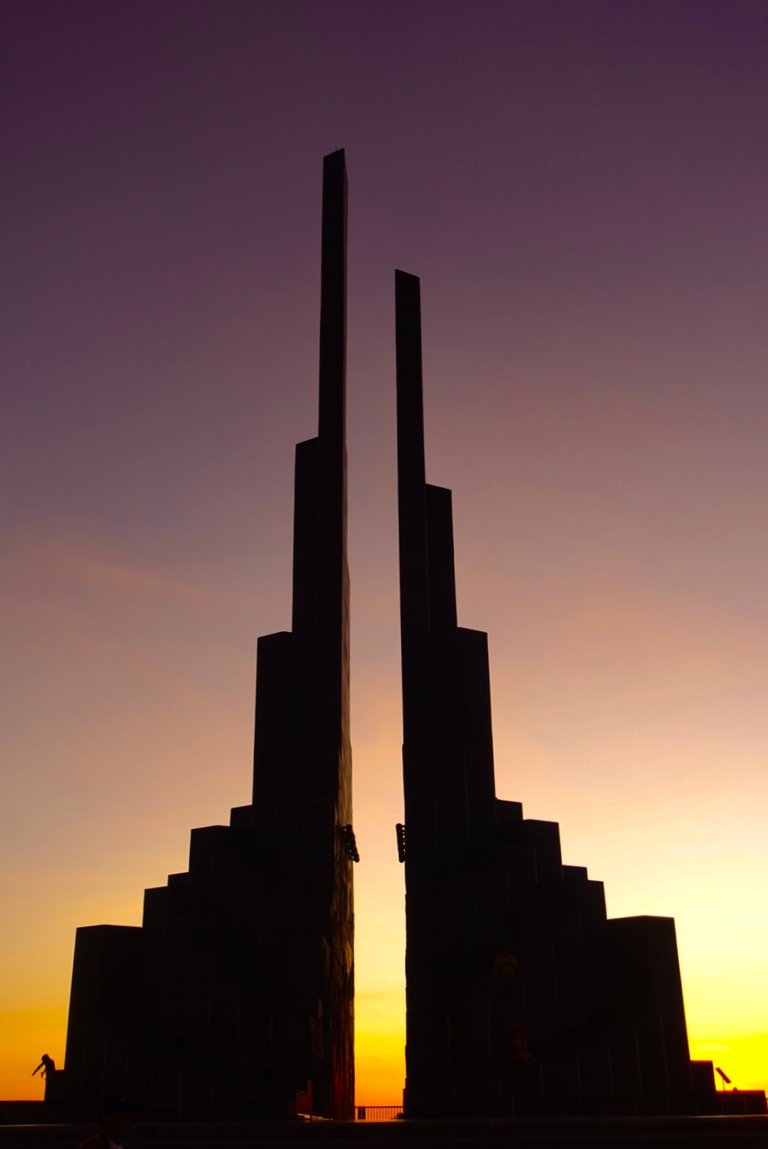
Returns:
(582, 188)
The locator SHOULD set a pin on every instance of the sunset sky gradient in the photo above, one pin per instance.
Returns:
(582, 187)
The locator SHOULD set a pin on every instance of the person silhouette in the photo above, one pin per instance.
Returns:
(48, 1066)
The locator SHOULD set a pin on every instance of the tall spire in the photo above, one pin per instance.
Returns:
(333, 300)
(411, 486)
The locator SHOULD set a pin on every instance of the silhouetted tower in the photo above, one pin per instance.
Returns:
(235, 997)
(520, 995)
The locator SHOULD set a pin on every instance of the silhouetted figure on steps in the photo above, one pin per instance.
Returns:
(48, 1066)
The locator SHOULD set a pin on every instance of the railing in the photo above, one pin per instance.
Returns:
(379, 1112)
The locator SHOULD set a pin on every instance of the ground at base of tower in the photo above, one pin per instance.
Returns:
(524, 1133)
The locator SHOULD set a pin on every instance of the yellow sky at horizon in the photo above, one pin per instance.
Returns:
(379, 1053)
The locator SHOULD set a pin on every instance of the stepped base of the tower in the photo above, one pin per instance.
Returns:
(524, 999)
(216, 1007)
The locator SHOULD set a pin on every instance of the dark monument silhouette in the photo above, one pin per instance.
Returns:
(235, 996)
(234, 999)
(521, 996)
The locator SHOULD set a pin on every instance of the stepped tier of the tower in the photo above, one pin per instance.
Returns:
(522, 996)
(219, 1002)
